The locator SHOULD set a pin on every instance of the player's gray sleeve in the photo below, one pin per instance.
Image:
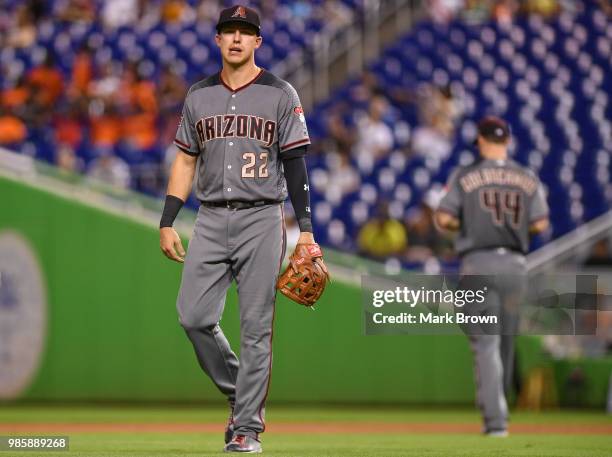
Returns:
(539, 207)
(186, 138)
(292, 130)
(451, 201)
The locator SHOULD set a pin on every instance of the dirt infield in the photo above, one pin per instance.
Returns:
(305, 428)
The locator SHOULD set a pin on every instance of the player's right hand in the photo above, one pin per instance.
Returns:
(170, 244)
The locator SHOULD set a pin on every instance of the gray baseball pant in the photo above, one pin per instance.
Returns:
(503, 273)
(248, 246)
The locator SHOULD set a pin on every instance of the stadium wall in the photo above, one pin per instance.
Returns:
(112, 332)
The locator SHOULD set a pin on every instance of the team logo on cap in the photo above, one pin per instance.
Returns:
(240, 12)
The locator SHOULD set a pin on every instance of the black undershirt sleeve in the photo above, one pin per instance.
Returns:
(294, 164)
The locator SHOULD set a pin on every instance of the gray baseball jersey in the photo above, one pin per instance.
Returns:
(240, 136)
(496, 202)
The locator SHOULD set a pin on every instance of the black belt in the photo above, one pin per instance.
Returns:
(511, 249)
(237, 204)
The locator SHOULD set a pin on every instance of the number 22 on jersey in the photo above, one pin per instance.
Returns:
(249, 168)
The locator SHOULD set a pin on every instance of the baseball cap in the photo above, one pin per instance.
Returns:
(241, 14)
(494, 129)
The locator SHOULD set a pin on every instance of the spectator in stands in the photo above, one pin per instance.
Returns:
(105, 127)
(543, 7)
(16, 94)
(149, 14)
(440, 109)
(139, 110)
(606, 6)
(504, 11)
(382, 237)
(421, 234)
(176, 12)
(68, 127)
(423, 241)
(476, 11)
(116, 13)
(438, 113)
(111, 170)
(170, 93)
(343, 178)
(81, 76)
(374, 137)
(46, 82)
(338, 133)
(22, 32)
(208, 11)
(139, 130)
(367, 88)
(336, 15)
(600, 255)
(12, 129)
(105, 87)
(443, 11)
(76, 11)
(139, 94)
(67, 160)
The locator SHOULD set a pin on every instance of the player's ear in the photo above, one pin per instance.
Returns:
(218, 39)
(258, 41)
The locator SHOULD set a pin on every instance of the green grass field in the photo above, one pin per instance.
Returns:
(380, 443)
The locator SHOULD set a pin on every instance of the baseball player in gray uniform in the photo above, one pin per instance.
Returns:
(495, 204)
(243, 136)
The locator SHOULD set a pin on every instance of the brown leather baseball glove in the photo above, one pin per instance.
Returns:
(306, 275)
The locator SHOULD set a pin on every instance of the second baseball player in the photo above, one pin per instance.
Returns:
(494, 204)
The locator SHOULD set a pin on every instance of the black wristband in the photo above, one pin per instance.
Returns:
(171, 209)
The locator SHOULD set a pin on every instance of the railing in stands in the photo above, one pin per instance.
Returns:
(345, 54)
(574, 244)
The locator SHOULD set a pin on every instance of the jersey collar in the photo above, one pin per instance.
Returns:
(261, 71)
